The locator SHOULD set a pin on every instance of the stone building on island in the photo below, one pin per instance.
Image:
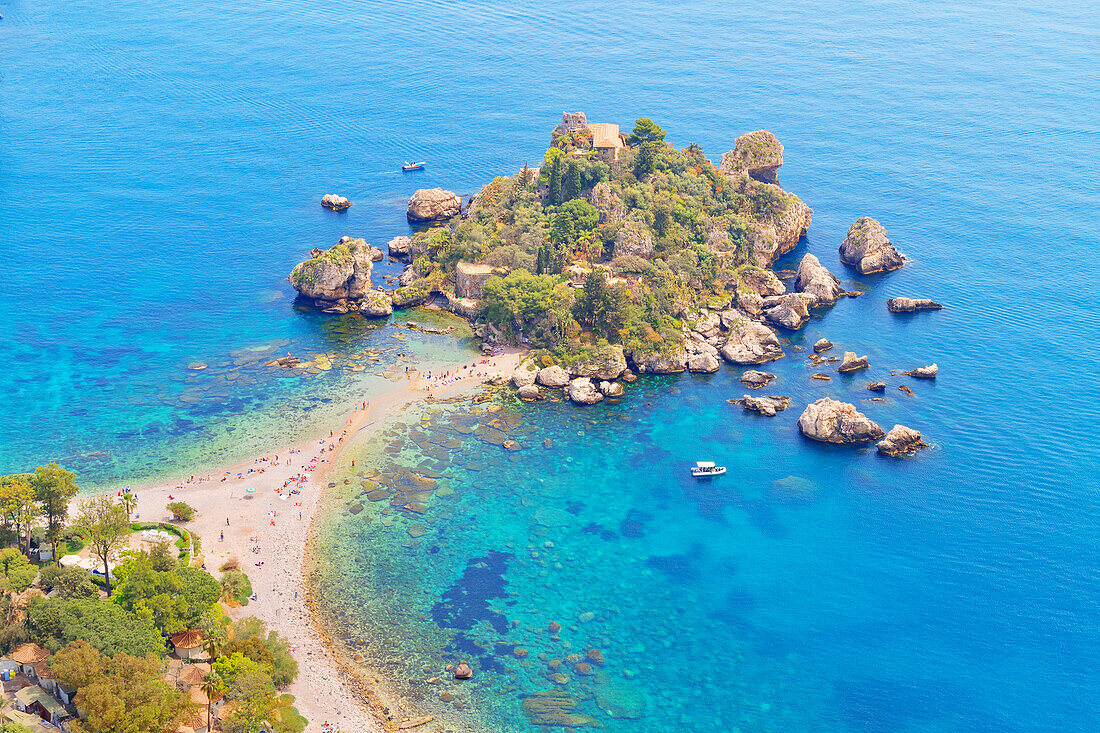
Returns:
(607, 141)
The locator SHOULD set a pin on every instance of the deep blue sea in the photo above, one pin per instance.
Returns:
(161, 166)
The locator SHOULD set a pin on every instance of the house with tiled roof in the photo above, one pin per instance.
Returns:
(36, 701)
(189, 644)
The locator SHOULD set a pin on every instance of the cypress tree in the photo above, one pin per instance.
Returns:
(555, 182)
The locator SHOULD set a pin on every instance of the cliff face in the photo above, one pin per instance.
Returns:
(758, 154)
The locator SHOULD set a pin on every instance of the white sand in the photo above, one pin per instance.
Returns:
(323, 691)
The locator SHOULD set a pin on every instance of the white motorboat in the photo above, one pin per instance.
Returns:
(703, 469)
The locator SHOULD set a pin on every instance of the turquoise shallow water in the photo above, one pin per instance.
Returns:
(160, 171)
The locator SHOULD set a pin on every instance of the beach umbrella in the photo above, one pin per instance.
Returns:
(250, 491)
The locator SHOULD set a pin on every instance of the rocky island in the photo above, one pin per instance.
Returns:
(619, 255)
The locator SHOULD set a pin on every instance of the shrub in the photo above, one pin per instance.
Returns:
(181, 511)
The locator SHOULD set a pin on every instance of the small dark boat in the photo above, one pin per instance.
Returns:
(413, 166)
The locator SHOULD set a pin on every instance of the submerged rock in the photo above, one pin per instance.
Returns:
(924, 372)
(852, 362)
(912, 305)
(583, 392)
(433, 204)
(830, 421)
(900, 440)
(756, 379)
(463, 671)
(334, 202)
(817, 282)
(867, 249)
(620, 699)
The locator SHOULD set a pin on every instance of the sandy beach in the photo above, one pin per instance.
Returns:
(268, 531)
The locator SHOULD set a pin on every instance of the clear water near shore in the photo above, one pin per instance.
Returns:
(160, 173)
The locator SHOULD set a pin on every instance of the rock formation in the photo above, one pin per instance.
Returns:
(528, 393)
(867, 249)
(852, 362)
(786, 311)
(750, 342)
(660, 363)
(758, 154)
(754, 379)
(342, 272)
(766, 406)
(817, 282)
(912, 305)
(376, 254)
(633, 238)
(525, 373)
(830, 421)
(877, 386)
(433, 204)
(924, 372)
(334, 202)
(376, 304)
(583, 392)
(822, 345)
(608, 362)
(703, 363)
(611, 389)
(552, 376)
(400, 248)
(899, 441)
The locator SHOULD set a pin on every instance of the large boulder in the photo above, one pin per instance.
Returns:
(912, 305)
(759, 154)
(788, 311)
(899, 441)
(760, 280)
(400, 248)
(611, 389)
(582, 391)
(867, 249)
(822, 345)
(750, 342)
(376, 304)
(334, 202)
(525, 373)
(633, 238)
(606, 362)
(342, 272)
(766, 406)
(830, 421)
(376, 254)
(817, 282)
(552, 376)
(528, 393)
(852, 362)
(703, 363)
(433, 204)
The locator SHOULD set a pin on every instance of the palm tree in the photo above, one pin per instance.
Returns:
(212, 687)
(129, 503)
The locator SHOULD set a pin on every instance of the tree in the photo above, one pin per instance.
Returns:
(17, 506)
(54, 488)
(129, 503)
(572, 181)
(574, 223)
(103, 520)
(554, 194)
(107, 626)
(252, 638)
(213, 687)
(78, 665)
(181, 511)
(603, 308)
(171, 599)
(254, 696)
(646, 131)
(130, 697)
(72, 582)
(645, 163)
(17, 569)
